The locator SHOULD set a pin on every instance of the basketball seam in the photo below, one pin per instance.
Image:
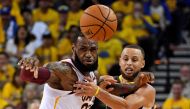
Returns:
(102, 26)
(105, 17)
(91, 25)
(99, 20)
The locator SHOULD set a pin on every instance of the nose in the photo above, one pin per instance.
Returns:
(129, 62)
(88, 54)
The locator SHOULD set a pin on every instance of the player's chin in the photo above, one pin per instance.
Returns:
(88, 63)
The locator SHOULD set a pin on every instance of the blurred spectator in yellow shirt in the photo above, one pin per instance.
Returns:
(63, 14)
(109, 51)
(142, 25)
(74, 13)
(125, 6)
(125, 35)
(65, 43)
(47, 52)
(51, 17)
(6, 69)
(177, 101)
(12, 91)
(14, 10)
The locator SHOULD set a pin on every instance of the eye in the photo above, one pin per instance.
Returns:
(82, 49)
(126, 59)
(134, 59)
(93, 49)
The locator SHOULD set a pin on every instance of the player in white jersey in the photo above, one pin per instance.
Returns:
(59, 77)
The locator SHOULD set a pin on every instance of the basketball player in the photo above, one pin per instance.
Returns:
(59, 77)
(131, 62)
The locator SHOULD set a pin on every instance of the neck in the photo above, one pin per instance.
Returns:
(79, 67)
(176, 98)
(44, 10)
(124, 80)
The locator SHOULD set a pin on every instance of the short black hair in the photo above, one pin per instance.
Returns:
(136, 47)
(178, 81)
(77, 35)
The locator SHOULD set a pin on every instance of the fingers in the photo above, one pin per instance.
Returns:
(36, 72)
(104, 84)
(84, 89)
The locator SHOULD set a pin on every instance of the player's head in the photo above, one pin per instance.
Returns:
(131, 61)
(85, 53)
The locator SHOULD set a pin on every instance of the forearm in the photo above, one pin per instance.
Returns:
(43, 75)
(110, 100)
(123, 89)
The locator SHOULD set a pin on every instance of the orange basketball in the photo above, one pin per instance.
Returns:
(98, 22)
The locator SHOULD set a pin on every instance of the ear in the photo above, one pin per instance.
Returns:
(143, 64)
(120, 61)
(73, 48)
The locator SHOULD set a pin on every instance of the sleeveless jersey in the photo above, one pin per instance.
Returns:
(60, 99)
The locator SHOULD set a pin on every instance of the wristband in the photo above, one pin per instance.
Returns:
(97, 91)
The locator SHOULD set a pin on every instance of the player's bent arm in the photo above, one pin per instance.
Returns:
(144, 97)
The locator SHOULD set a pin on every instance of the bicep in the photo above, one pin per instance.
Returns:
(135, 101)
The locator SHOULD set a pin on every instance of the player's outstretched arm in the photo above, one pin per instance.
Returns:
(30, 70)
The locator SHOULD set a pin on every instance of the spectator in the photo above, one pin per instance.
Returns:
(16, 47)
(12, 91)
(9, 25)
(50, 16)
(124, 6)
(178, 101)
(6, 69)
(74, 13)
(66, 42)
(47, 52)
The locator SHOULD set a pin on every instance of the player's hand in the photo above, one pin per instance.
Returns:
(30, 63)
(106, 81)
(143, 78)
(88, 88)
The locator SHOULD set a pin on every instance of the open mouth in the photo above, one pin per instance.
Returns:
(129, 71)
(88, 61)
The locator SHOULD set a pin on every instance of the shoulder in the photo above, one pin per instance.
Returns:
(59, 67)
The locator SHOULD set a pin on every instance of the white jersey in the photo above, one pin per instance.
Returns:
(60, 99)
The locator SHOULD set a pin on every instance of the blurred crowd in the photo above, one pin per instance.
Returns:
(46, 29)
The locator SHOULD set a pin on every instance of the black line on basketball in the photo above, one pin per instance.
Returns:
(104, 16)
(99, 20)
(91, 25)
(102, 25)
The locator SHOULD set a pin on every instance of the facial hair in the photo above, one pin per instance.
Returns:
(131, 78)
(83, 68)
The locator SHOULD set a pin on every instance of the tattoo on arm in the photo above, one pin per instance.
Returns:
(59, 67)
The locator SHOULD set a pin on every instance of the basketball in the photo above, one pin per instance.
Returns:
(98, 22)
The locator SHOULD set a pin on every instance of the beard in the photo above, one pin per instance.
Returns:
(130, 78)
(84, 68)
